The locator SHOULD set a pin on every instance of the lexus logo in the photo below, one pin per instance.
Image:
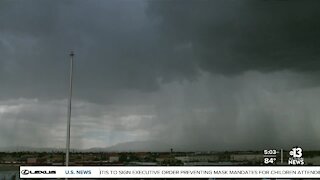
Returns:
(25, 172)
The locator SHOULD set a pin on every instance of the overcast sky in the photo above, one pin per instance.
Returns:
(194, 74)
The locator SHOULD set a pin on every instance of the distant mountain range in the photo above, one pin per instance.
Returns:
(133, 146)
(26, 148)
(136, 146)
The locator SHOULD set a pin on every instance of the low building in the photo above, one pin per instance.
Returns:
(198, 158)
(57, 164)
(114, 158)
(211, 163)
(163, 157)
(247, 157)
(312, 160)
(143, 164)
(31, 160)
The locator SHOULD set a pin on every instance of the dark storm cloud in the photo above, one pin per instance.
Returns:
(116, 49)
(194, 74)
(137, 45)
(233, 36)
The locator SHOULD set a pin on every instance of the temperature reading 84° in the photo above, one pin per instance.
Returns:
(269, 160)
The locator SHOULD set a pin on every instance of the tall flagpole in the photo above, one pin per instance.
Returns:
(69, 108)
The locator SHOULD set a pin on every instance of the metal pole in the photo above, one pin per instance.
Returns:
(281, 156)
(69, 109)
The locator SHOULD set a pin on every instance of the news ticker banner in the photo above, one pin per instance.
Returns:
(170, 172)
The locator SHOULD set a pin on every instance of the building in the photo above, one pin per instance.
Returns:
(143, 164)
(247, 157)
(312, 160)
(198, 158)
(32, 161)
(114, 158)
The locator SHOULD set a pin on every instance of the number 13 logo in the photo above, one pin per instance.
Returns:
(296, 152)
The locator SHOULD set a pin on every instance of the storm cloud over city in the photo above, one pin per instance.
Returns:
(193, 75)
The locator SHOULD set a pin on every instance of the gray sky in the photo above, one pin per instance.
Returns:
(197, 75)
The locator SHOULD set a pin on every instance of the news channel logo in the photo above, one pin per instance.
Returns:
(296, 156)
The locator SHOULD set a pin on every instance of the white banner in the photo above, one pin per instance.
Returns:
(170, 172)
